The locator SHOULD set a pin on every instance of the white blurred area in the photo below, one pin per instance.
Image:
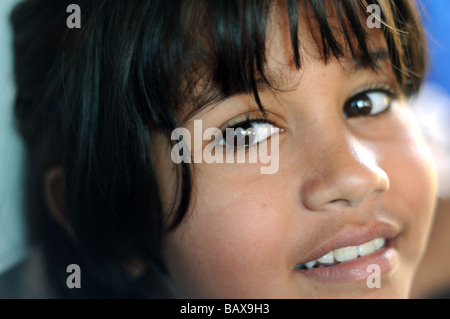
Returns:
(432, 108)
(12, 229)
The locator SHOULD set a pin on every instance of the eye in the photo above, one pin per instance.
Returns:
(248, 133)
(368, 103)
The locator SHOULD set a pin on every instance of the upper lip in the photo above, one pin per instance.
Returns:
(354, 237)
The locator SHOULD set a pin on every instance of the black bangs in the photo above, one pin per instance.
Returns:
(227, 54)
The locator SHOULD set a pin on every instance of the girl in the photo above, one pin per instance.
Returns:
(323, 84)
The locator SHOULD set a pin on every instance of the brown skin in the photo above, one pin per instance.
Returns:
(245, 232)
(433, 275)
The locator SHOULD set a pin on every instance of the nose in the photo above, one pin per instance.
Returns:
(346, 173)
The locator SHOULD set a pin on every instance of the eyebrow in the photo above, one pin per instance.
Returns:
(377, 56)
(358, 63)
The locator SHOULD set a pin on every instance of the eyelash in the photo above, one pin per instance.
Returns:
(249, 119)
(391, 93)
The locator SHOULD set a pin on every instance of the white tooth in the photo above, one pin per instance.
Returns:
(366, 249)
(310, 264)
(346, 253)
(327, 259)
(378, 243)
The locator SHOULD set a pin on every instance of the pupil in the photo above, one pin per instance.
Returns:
(242, 137)
(361, 106)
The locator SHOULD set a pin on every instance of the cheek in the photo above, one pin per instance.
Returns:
(230, 245)
(412, 192)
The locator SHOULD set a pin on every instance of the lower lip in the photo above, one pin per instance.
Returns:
(356, 269)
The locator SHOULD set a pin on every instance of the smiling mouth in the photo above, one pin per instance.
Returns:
(344, 254)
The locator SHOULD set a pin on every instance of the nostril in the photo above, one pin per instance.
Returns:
(343, 191)
(344, 202)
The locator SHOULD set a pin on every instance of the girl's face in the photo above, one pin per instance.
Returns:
(353, 167)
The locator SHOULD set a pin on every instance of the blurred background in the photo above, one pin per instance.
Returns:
(12, 231)
(432, 108)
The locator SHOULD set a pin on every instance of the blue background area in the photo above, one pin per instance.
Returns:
(437, 24)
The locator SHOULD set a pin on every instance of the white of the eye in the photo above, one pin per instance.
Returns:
(258, 133)
(262, 132)
(380, 102)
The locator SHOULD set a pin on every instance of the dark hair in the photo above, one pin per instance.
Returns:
(90, 99)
